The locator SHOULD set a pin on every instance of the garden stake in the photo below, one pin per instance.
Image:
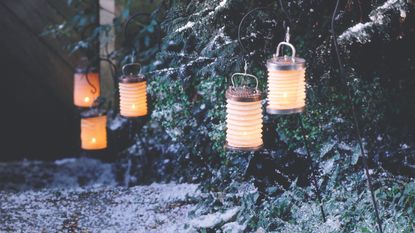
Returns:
(313, 168)
(356, 123)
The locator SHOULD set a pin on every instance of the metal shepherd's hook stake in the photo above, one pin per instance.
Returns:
(355, 120)
(287, 35)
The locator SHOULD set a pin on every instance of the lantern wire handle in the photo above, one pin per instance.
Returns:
(355, 120)
(243, 75)
(130, 65)
(289, 45)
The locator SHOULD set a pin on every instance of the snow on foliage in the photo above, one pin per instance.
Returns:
(186, 26)
(361, 32)
(221, 5)
(215, 219)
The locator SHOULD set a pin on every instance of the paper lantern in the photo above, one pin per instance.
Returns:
(286, 83)
(133, 94)
(94, 131)
(244, 116)
(86, 87)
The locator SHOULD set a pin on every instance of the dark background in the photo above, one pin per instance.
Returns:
(38, 118)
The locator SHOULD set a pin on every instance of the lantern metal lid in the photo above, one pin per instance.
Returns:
(278, 62)
(243, 93)
(85, 67)
(93, 112)
(131, 77)
(85, 70)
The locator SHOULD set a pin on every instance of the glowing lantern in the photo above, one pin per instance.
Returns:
(86, 87)
(94, 131)
(286, 83)
(244, 116)
(133, 94)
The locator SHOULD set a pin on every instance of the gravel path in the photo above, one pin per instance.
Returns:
(96, 207)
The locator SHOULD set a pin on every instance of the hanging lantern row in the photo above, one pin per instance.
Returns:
(86, 87)
(286, 95)
(133, 93)
(93, 130)
(133, 102)
(244, 115)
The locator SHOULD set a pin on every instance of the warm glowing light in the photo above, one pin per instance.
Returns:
(286, 84)
(244, 124)
(94, 133)
(86, 92)
(244, 118)
(133, 96)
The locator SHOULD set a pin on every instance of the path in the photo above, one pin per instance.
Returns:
(63, 204)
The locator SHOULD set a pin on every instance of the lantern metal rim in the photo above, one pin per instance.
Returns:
(86, 70)
(96, 150)
(243, 95)
(243, 149)
(285, 111)
(132, 78)
(93, 113)
(285, 63)
(133, 117)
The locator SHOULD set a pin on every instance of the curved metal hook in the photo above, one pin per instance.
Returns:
(131, 64)
(130, 20)
(244, 75)
(243, 20)
(289, 45)
(113, 66)
(94, 88)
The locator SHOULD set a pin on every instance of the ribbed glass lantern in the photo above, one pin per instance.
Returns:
(94, 131)
(86, 87)
(286, 83)
(133, 94)
(244, 116)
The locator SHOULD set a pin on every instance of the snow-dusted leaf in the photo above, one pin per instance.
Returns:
(326, 148)
(355, 155)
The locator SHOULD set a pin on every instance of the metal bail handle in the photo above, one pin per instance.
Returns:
(289, 45)
(129, 65)
(244, 75)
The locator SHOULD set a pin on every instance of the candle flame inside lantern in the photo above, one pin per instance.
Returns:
(86, 92)
(94, 133)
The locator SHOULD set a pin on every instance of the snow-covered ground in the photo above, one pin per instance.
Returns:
(81, 195)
